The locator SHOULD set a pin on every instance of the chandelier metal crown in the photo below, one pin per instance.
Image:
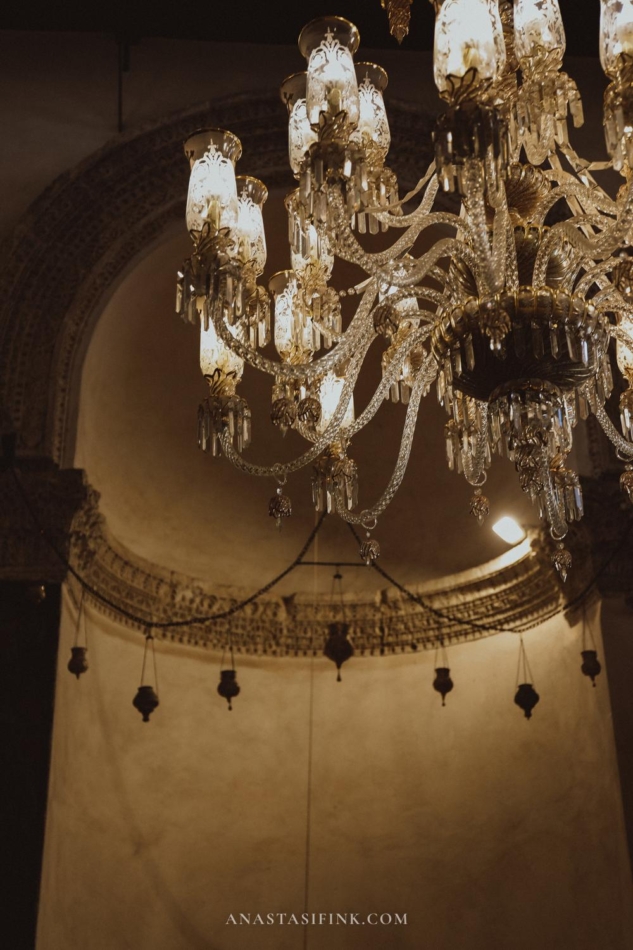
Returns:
(511, 317)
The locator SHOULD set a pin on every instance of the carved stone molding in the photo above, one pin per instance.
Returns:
(55, 496)
(84, 233)
(498, 597)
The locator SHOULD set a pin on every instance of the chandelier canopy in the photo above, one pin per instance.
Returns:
(509, 316)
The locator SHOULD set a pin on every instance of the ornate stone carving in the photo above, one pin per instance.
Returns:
(514, 597)
(55, 497)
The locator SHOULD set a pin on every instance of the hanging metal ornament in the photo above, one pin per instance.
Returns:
(279, 507)
(337, 647)
(591, 666)
(479, 506)
(146, 699)
(626, 481)
(442, 683)
(562, 561)
(526, 696)
(78, 662)
(228, 687)
(369, 550)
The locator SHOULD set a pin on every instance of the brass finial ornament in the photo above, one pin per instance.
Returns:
(399, 13)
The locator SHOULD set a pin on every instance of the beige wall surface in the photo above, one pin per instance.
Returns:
(487, 830)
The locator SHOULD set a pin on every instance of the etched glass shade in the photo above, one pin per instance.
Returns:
(307, 244)
(373, 125)
(293, 328)
(212, 196)
(301, 135)
(468, 35)
(624, 349)
(329, 397)
(616, 33)
(538, 28)
(249, 230)
(331, 87)
(216, 357)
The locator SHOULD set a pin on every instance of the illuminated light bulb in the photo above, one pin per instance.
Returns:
(509, 531)
(249, 230)
(329, 397)
(328, 44)
(216, 359)
(616, 33)
(468, 35)
(372, 122)
(624, 350)
(538, 26)
(301, 135)
(294, 333)
(212, 196)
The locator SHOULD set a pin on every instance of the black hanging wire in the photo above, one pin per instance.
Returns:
(81, 615)
(473, 624)
(523, 667)
(149, 639)
(441, 656)
(298, 561)
(586, 627)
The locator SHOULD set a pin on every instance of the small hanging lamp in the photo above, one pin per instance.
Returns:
(146, 699)
(228, 687)
(591, 665)
(78, 662)
(526, 696)
(442, 683)
(337, 647)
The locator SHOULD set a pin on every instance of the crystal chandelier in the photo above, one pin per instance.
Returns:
(511, 317)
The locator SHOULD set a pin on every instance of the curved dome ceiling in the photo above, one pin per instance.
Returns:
(185, 511)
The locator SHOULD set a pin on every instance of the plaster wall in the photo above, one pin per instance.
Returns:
(487, 830)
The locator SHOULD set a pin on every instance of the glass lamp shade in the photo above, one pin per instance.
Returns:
(249, 230)
(624, 350)
(373, 124)
(616, 33)
(468, 35)
(301, 135)
(216, 357)
(538, 27)
(328, 44)
(212, 196)
(329, 396)
(307, 245)
(293, 327)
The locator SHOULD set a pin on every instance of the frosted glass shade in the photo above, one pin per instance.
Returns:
(301, 135)
(294, 333)
(330, 396)
(212, 196)
(249, 230)
(216, 357)
(538, 26)
(331, 87)
(616, 33)
(468, 35)
(373, 124)
(624, 350)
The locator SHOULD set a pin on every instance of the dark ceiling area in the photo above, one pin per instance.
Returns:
(266, 21)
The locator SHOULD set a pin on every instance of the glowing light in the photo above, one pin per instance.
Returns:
(508, 530)
(212, 196)
(616, 33)
(468, 35)
(538, 25)
(331, 87)
(330, 396)
(216, 356)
